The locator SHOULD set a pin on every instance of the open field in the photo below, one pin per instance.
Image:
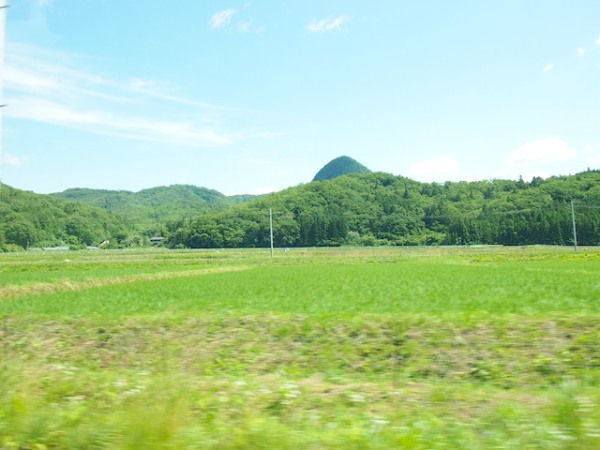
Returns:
(316, 348)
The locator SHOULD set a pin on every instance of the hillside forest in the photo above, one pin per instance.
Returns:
(353, 209)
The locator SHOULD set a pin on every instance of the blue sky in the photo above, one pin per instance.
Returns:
(255, 96)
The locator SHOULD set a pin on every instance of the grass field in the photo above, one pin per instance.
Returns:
(424, 348)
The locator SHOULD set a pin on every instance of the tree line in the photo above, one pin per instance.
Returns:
(28, 219)
(355, 209)
(383, 209)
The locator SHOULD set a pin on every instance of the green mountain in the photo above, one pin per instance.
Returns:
(337, 167)
(28, 219)
(355, 209)
(149, 209)
(383, 209)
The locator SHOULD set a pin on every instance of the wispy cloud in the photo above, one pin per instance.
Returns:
(582, 51)
(593, 161)
(548, 68)
(43, 88)
(245, 26)
(8, 159)
(225, 19)
(591, 154)
(222, 18)
(546, 157)
(542, 151)
(541, 158)
(326, 25)
(118, 125)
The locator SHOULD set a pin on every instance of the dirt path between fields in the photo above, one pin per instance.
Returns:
(10, 292)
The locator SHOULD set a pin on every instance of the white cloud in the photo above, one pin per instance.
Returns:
(47, 73)
(548, 68)
(9, 159)
(437, 169)
(137, 83)
(23, 80)
(592, 157)
(245, 26)
(546, 157)
(325, 25)
(542, 151)
(111, 124)
(594, 162)
(598, 41)
(47, 87)
(222, 18)
(581, 51)
(41, 110)
(590, 148)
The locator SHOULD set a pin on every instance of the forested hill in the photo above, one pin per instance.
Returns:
(28, 219)
(337, 167)
(379, 208)
(147, 210)
(355, 209)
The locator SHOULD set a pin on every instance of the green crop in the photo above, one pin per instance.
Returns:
(357, 348)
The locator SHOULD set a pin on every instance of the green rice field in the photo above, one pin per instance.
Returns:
(368, 348)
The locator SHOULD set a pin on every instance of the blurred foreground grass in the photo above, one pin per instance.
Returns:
(374, 348)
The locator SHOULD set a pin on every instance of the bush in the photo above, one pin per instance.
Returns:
(11, 248)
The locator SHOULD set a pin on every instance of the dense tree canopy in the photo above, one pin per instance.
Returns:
(356, 209)
(337, 167)
(147, 210)
(28, 219)
(379, 208)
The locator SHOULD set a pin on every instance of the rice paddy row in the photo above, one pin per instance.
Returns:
(374, 348)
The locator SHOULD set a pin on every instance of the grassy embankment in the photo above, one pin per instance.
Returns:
(368, 348)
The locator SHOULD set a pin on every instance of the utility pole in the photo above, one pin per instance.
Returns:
(2, 26)
(574, 226)
(271, 229)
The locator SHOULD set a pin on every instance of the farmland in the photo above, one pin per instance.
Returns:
(456, 347)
